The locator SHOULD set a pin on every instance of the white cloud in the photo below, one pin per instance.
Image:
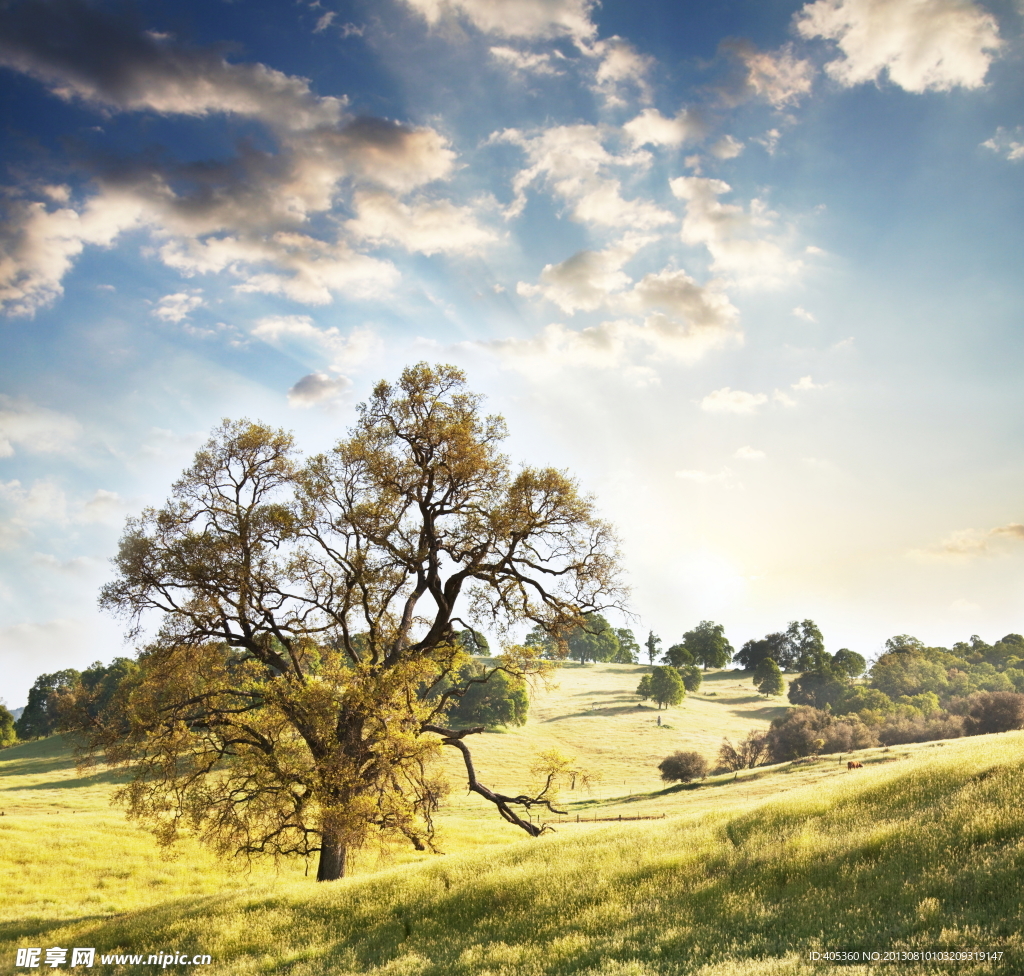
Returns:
(783, 398)
(727, 400)
(103, 61)
(585, 281)
(620, 68)
(748, 453)
(624, 345)
(425, 226)
(1007, 144)
(317, 388)
(573, 162)
(802, 313)
(728, 147)
(248, 216)
(177, 307)
(36, 429)
(344, 351)
(770, 141)
(806, 383)
(527, 19)
(106, 507)
(38, 245)
(324, 22)
(922, 44)
(42, 502)
(651, 128)
(528, 62)
(738, 240)
(779, 77)
(971, 543)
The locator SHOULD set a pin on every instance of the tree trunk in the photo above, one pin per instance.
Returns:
(332, 858)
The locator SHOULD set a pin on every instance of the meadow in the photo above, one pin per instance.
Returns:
(746, 874)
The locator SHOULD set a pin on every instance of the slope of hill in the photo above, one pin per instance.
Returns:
(922, 849)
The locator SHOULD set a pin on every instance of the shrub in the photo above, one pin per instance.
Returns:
(900, 729)
(683, 767)
(691, 676)
(990, 711)
(752, 751)
(800, 732)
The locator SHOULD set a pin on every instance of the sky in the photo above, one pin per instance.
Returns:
(749, 269)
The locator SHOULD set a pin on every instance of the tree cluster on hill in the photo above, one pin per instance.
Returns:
(807, 731)
(798, 648)
(593, 639)
(664, 685)
(705, 645)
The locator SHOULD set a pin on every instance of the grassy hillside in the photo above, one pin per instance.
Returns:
(922, 849)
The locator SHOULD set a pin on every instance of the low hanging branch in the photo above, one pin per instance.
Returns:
(454, 738)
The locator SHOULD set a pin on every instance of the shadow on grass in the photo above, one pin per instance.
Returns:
(45, 757)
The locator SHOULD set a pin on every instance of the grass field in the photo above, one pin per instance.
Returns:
(921, 849)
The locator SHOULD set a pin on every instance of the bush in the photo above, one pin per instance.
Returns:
(683, 767)
(752, 751)
(990, 711)
(900, 729)
(800, 732)
(691, 676)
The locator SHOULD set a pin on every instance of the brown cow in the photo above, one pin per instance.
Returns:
(854, 765)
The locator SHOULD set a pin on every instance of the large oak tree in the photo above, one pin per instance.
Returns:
(291, 702)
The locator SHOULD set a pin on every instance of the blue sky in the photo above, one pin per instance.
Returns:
(751, 270)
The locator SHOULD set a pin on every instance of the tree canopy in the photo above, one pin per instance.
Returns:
(707, 645)
(302, 606)
(667, 687)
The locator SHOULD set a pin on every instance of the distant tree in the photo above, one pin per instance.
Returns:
(667, 686)
(652, 642)
(679, 656)
(807, 646)
(752, 751)
(798, 648)
(907, 672)
(903, 643)
(768, 678)
(629, 649)
(555, 770)
(7, 734)
(818, 688)
(594, 640)
(541, 643)
(473, 642)
(848, 662)
(707, 643)
(692, 677)
(644, 688)
(682, 767)
(754, 652)
(496, 698)
(99, 698)
(40, 717)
